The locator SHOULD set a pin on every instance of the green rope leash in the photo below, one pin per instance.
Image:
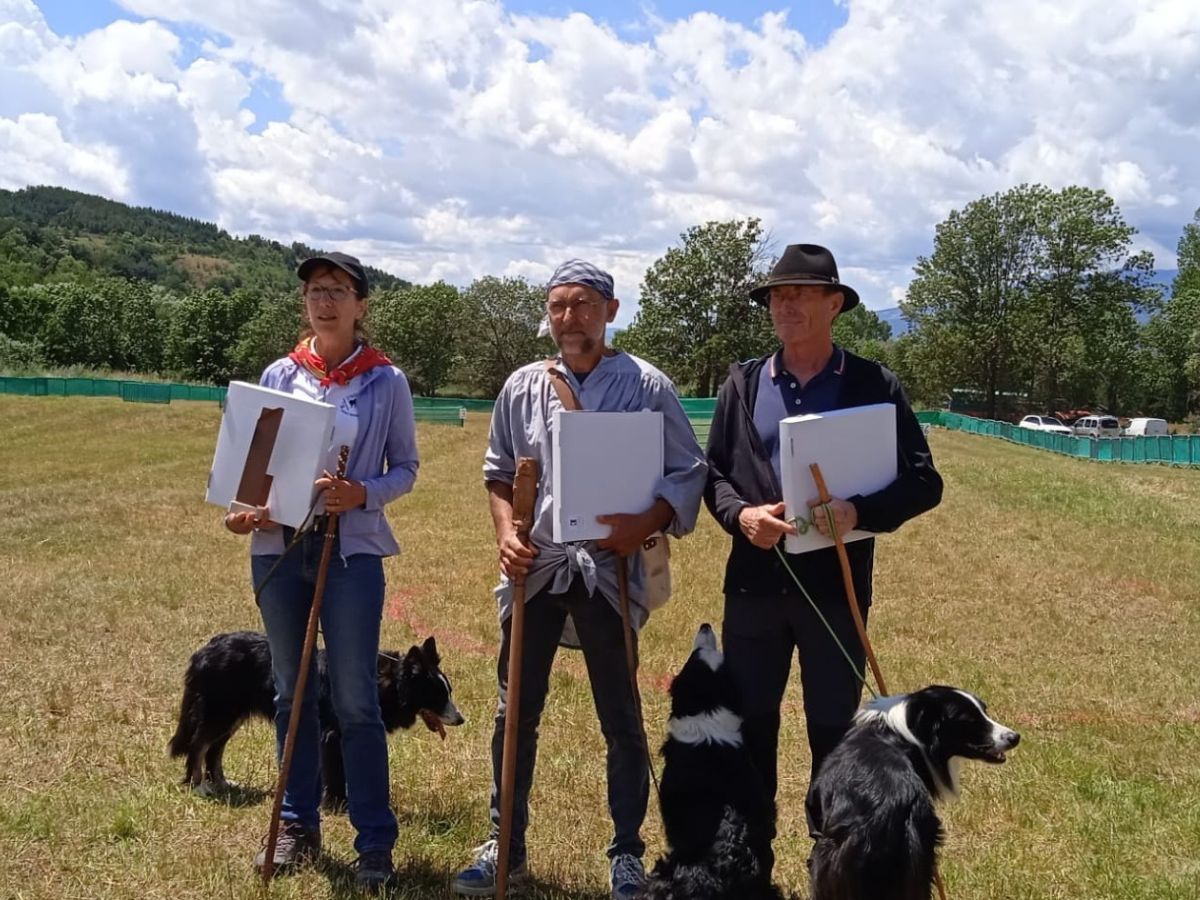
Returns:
(802, 526)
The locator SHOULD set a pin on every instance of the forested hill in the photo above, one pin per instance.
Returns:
(54, 234)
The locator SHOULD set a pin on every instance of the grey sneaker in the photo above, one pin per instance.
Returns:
(479, 878)
(296, 846)
(627, 876)
(373, 869)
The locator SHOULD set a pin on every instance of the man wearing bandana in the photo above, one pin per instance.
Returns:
(571, 589)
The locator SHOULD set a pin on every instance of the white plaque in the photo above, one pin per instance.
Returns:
(856, 450)
(295, 431)
(605, 463)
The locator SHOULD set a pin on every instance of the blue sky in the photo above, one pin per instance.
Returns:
(76, 17)
(816, 19)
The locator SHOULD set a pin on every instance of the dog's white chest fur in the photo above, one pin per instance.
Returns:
(717, 727)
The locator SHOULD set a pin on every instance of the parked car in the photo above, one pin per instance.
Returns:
(1147, 427)
(1044, 423)
(1098, 427)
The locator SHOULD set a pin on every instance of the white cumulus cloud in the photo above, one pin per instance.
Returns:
(458, 139)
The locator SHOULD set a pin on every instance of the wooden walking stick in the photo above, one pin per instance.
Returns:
(848, 580)
(524, 497)
(627, 628)
(310, 640)
(631, 665)
(852, 599)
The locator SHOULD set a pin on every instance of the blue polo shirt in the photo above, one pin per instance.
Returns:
(781, 395)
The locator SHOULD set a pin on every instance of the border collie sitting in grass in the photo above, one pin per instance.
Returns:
(719, 820)
(873, 800)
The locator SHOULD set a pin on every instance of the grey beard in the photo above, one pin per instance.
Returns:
(589, 344)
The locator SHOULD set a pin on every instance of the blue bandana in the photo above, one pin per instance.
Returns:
(577, 271)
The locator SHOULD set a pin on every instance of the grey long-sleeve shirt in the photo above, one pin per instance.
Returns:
(521, 425)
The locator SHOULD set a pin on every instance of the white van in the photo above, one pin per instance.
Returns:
(1147, 427)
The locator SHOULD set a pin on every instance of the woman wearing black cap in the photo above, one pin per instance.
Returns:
(333, 363)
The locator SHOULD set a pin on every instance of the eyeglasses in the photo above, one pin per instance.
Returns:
(558, 308)
(318, 292)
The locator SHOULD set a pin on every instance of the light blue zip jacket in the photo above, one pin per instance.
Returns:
(383, 458)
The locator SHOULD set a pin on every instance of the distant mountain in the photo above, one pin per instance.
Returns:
(53, 234)
(895, 320)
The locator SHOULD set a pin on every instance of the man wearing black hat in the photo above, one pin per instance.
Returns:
(766, 616)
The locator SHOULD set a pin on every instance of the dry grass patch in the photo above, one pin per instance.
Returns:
(1062, 591)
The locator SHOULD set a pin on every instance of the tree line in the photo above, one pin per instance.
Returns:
(1031, 300)
(218, 336)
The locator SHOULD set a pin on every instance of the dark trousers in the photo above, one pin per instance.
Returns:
(759, 636)
(602, 639)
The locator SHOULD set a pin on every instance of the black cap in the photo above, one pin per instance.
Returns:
(344, 261)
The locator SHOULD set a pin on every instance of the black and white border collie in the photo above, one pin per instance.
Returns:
(873, 800)
(228, 681)
(719, 821)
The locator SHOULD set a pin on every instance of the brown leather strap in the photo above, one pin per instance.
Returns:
(562, 387)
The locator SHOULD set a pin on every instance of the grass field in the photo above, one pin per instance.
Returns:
(1064, 592)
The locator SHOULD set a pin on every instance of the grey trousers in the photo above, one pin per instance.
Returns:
(598, 626)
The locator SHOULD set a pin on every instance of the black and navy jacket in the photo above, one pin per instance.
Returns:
(740, 474)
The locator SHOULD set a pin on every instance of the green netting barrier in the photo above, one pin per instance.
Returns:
(445, 410)
(145, 392)
(699, 407)
(445, 415)
(1171, 450)
(469, 404)
(427, 409)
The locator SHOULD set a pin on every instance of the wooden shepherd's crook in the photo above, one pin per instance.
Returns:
(524, 496)
(848, 580)
(310, 641)
(852, 599)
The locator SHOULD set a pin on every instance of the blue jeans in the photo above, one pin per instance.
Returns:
(350, 617)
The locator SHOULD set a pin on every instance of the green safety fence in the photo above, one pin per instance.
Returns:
(445, 415)
(455, 403)
(699, 407)
(146, 392)
(1171, 449)
(436, 409)
(447, 410)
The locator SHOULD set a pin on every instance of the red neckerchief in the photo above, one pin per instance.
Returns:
(364, 360)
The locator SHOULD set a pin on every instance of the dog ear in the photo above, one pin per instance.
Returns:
(414, 659)
(924, 719)
(429, 648)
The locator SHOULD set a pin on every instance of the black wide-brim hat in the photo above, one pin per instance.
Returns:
(344, 261)
(805, 264)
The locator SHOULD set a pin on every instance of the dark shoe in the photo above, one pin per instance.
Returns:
(626, 876)
(373, 869)
(296, 846)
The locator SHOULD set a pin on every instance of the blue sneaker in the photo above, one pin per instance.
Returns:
(627, 876)
(479, 878)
